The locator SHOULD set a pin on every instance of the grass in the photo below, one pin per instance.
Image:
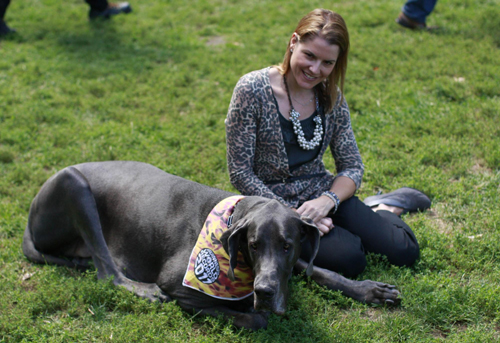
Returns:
(154, 86)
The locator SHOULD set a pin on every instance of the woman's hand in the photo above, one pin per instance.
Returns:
(317, 210)
(325, 225)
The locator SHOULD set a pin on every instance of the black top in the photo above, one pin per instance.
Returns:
(296, 155)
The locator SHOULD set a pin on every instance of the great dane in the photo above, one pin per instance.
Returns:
(139, 224)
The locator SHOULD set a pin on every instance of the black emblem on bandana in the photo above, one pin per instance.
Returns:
(206, 267)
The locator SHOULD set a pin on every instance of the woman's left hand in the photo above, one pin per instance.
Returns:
(325, 225)
(317, 210)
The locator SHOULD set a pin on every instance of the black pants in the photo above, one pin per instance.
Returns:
(3, 7)
(358, 230)
(99, 5)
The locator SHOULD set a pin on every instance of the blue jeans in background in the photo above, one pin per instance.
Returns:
(418, 10)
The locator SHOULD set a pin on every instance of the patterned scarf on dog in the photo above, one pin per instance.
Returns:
(209, 263)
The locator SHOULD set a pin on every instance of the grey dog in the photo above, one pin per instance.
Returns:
(138, 224)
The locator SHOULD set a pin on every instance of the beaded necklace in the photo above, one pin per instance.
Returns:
(297, 127)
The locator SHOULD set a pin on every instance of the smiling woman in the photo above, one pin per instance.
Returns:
(312, 62)
(280, 122)
(322, 39)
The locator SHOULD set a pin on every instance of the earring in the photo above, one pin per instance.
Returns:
(291, 50)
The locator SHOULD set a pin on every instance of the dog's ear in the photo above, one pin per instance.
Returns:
(231, 242)
(311, 232)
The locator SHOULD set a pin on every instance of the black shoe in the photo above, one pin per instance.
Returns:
(4, 29)
(113, 9)
(409, 199)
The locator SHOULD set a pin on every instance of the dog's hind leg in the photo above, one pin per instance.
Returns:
(64, 220)
(36, 256)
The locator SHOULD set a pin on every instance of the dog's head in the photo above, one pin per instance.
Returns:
(269, 235)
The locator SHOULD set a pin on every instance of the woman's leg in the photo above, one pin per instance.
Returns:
(97, 5)
(339, 251)
(381, 232)
(419, 10)
(3, 8)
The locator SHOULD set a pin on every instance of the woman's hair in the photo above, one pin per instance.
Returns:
(331, 27)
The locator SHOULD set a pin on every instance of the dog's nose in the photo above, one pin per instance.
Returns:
(264, 292)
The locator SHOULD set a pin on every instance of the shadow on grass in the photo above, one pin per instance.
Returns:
(109, 48)
(485, 24)
(488, 25)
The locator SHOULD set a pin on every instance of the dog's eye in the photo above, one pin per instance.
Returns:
(253, 246)
(286, 247)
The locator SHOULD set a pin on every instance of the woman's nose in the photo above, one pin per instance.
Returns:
(314, 68)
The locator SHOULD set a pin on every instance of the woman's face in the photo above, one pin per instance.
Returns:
(312, 61)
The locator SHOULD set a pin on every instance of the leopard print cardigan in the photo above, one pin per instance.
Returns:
(256, 152)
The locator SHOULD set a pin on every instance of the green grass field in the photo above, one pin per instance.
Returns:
(154, 86)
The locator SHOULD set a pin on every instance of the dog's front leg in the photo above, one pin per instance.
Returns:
(248, 320)
(366, 291)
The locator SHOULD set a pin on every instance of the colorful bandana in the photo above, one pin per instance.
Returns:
(209, 263)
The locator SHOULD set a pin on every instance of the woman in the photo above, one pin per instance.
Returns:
(280, 122)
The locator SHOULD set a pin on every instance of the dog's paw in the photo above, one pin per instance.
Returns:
(372, 292)
(149, 291)
(252, 321)
(162, 297)
(153, 293)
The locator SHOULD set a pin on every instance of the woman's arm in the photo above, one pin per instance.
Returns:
(241, 135)
(318, 209)
(349, 167)
(344, 148)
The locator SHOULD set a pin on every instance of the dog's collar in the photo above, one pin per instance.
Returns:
(230, 218)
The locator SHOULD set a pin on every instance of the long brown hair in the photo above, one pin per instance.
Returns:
(331, 27)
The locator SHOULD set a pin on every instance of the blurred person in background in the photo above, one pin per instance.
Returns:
(98, 9)
(4, 29)
(414, 14)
